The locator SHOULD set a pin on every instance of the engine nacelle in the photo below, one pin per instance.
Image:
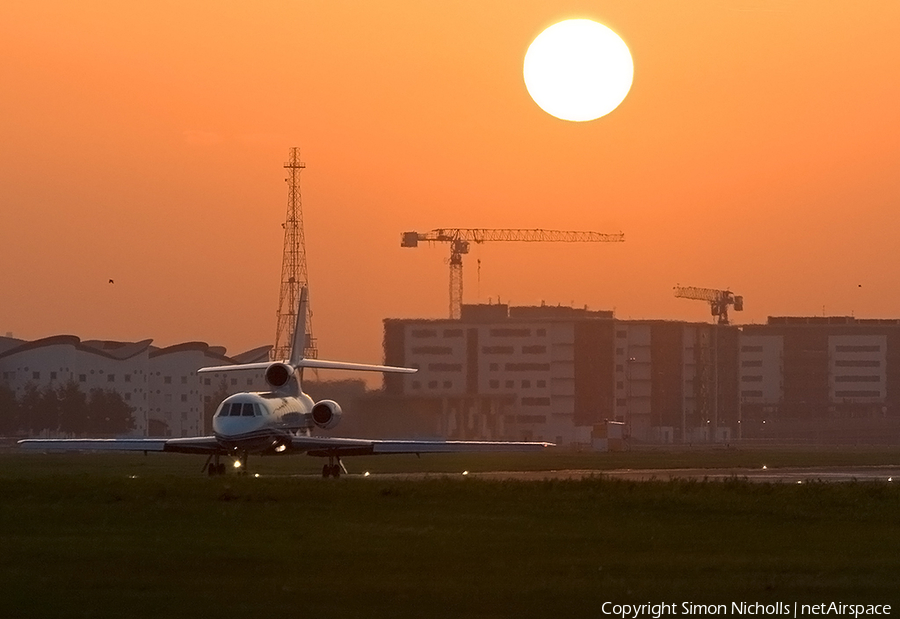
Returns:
(326, 414)
(278, 375)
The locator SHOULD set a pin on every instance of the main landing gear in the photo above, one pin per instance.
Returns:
(333, 468)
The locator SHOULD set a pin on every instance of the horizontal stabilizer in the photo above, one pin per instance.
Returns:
(320, 364)
(238, 366)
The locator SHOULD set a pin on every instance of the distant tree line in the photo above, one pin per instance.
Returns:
(65, 410)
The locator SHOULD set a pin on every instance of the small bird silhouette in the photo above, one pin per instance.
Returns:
(111, 282)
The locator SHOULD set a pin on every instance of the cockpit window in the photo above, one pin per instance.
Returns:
(240, 409)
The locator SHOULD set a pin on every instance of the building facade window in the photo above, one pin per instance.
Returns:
(857, 363)
(534, 350)
(422, 333)
(445, 367)
(851, 348)
(432, 350)
(527, 367)
(858, 394)
(510, 332)
(496, 350)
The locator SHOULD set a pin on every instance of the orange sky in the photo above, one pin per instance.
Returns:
(759, 149)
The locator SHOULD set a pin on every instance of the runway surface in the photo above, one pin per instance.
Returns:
(793, 475)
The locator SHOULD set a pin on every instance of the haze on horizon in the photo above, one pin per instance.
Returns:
(758, 149)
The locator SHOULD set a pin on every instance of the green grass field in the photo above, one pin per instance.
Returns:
(101, 535)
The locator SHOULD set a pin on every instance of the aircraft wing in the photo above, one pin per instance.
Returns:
(327, 446)
(197, 444)
(313, 445)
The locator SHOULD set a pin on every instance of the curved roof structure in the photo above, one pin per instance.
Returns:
(119, 351)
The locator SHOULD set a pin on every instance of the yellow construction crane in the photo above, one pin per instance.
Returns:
(459, 239)
(718, 300)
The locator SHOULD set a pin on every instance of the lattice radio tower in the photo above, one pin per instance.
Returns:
(293, 268)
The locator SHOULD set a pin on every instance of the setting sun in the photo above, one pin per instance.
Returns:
(578, 70)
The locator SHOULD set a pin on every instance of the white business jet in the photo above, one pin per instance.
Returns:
(280, 422)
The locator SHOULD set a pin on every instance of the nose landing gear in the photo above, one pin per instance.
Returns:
(214, 467)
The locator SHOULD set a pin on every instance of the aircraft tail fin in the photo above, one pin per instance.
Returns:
(298, 346)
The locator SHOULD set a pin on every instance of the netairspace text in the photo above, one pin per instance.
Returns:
(779, 609)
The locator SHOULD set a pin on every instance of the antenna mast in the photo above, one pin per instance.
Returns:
(293, 268)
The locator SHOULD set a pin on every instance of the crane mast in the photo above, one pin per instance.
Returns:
(460, 238)
(718, 300)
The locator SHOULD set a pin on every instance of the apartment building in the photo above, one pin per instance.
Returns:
(557, 373)
(800, 376)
